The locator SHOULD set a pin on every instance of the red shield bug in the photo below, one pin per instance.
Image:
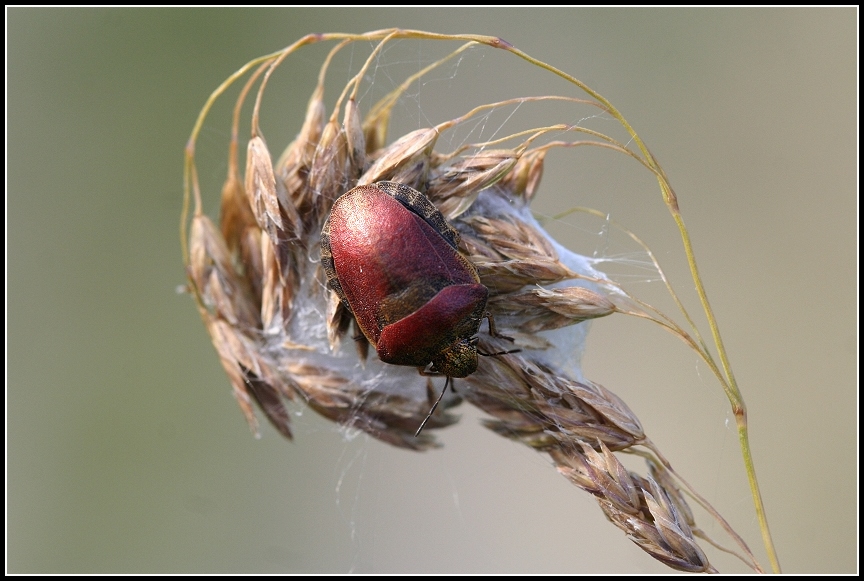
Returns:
(392, 258)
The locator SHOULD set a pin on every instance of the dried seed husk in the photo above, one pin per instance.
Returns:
(524, 179)
(406, 160)
(293, 167)
(355, 139)
(455, 187)
(235, 215)
(261, 188)
(274, 213)
(540, 309)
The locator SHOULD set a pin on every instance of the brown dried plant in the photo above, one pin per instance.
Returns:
(280, 333)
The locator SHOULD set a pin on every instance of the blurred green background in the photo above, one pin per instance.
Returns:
(125, 450)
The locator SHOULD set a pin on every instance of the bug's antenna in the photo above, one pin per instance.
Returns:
(432, 411)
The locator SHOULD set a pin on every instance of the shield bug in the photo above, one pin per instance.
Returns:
(392, 259)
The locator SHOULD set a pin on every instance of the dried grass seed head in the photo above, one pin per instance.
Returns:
(280, 333)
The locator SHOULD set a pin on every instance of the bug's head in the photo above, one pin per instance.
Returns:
(459, 359)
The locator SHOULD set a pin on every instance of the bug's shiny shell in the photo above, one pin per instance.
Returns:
(393, 260)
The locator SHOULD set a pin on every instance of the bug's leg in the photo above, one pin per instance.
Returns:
(493, 331)
(498, 352)
(362, 344)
